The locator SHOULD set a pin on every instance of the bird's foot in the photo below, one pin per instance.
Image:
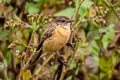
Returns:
(71, 46)
(61, 60)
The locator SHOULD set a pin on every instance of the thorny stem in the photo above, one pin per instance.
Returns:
(32, 35)
(27, 63)
(42, 66)
(31, 38)
(72, 58)
(64, 69)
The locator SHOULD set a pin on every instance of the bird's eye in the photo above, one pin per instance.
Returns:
(62, 20)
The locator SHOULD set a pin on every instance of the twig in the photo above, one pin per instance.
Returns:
(28, 62)
(72, 58)
(28, 45)
(76, 11)
(116, 13)
(31, 38)
(64, 69)
(5, 73)
(113, 9)
(5, 70)
(63, 73)
(42, 66)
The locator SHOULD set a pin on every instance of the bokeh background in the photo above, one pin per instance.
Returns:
(96, 38)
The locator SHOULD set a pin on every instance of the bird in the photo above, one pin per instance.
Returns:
(55, 36)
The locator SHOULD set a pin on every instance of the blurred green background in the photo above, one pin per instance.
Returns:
(96, 38)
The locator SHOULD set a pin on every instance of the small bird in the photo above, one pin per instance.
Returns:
(55, 36)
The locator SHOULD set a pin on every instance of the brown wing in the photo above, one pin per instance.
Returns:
(47, 33)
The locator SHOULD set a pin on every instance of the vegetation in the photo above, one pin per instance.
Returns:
(95, 36)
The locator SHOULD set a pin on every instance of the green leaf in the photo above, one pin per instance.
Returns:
(87, 3)
(106, 64)
(20, 47)
(95, 48)
(92, 76)
(82, 11)
(69, 78)
(31, 8)
(8, 57)
(102, 75)
(105, 41)
(83, 8)
(26, 75)
(3, 35)
(73, 64)
(102, 30)
(77, 71)
(111, 27)
(109, 36)
(76, 3)
(66, 12)
(100, 0)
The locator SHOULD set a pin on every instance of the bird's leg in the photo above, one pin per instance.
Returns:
(70, 45)
(61, 59)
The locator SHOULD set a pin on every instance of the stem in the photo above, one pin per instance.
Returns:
(5, 71)
(116, 13)
(67, 53)
(45, 62)
(76, 12)
(63, 73)
(27, 48)
(74, 25)
(113, 9)
(28, 62)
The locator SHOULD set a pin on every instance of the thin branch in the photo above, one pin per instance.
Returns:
(118, 17)
(28, 62)
(64, 69)
(3, 61)
(63, 73)
(5, 73)
(113, 9)
(27, 48)
(5, 70)
(42, 66)
(74, 25)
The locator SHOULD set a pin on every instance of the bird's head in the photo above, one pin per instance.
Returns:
(63, 21)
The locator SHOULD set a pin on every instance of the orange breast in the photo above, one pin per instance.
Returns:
(57, 40)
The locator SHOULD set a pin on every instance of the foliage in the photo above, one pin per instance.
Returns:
(96, 39)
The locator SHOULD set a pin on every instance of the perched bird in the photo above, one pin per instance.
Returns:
(55, 36)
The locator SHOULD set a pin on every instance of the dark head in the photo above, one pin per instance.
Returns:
(63, 21)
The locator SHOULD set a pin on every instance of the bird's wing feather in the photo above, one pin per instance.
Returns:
(47, 33)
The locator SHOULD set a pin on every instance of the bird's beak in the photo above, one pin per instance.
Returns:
(70, 21)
